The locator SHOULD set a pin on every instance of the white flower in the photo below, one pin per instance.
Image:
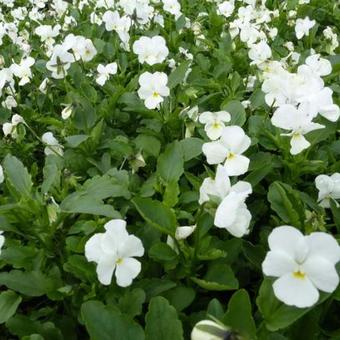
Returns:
(114, 252)
(82, 48)
(67, 111)
(229, 149)
(47, 32)
(303, 264)
(104, 72)
(9, 103)
(151, 50)
(2, 177)
(184, 232)
(173, 7)
(209, 330)
(114, 22)
(329, 188)
(23, 70)
(232, 214)
(299, 122)
(226, 8)
(303, 26)
(43, 86)
(52, 143)
(259, 52)
(10, 128)
(220, 187)
(322, 67)
(214, 123)
(60, 61)
(153, 87)
(2, 240)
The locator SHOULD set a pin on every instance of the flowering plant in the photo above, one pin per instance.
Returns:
(169, 169)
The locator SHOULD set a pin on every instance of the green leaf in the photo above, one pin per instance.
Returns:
(161, 252)
(32, 283)
(237, 112)
(52, 173)
(178, 74)
(156, 214)
(103, 323)
(170, 164)
(191, 148)
(219, 277)
(162, 321)
(180, 297)
(276, 314)
(132, 302)
(239, 317)
(287, 203)
(9, 302)
(76, 140)
(17, 175)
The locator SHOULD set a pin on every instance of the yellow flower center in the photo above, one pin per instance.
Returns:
(155, 94)
(216, 125)
(299, 275)
(119, 261)
(231, 155)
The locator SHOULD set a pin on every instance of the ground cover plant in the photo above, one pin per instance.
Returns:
(170, 169)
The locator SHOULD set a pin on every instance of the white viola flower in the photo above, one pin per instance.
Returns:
(209, 330)
(302, 264)
(60, 61)
(226, 8)
(2, 177)
(184, 232)
(114, 251)
(23, 70)
(153, 87)
(322, 102)
(67, 111)
(2, 240)
(43, 86)
(220, 187)
(329, 189)
(228, 150)
(259, 52)
(233, 215)
(299, 122)
(104, 73)
(214, 123)
(10, 128)
(173, 7)
(9, 103)
(303, 26)
(47, 33)
(53, 147)
(82, 48)
(322, 67)
(6, 79)
(114, 22)
(151, 50)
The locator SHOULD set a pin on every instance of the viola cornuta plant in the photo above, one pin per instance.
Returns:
(169, 169)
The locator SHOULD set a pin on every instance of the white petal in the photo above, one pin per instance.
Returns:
(184, 232)
(206, 117)
(285, 239)
(222, 182)
(242, 187)
(298, 143)
(105, 269)
(237, 165)
(235, 139)
(324, 245)
(93, 250)
(278, 263)
(295, 291)
(226, 212)
(214, 130)
(127, 271)
(132, 246)
(322, 273)
(285, 117)
(215, 152)
(240, 227)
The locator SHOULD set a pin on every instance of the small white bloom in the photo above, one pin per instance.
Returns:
(302, 264)
(226, 8)
(184, 232)
(2, 240)
(303, 26)
(67, 111)
(173, 7)
(23, 70)
(299, 122)
(209, 330)
(229, 149)
(151, 50)
(114, 252)
(329, 188)
(259, 52)
(320, 66)
(104, 72)
(52, 143)
(214, 123)
(153, 87)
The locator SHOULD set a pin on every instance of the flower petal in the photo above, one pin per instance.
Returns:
(322, 273)
(215, 152)
(295, 291)
(127, 271)
(132, 246)
(105, 269)
(278, 263)
(237, 165)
